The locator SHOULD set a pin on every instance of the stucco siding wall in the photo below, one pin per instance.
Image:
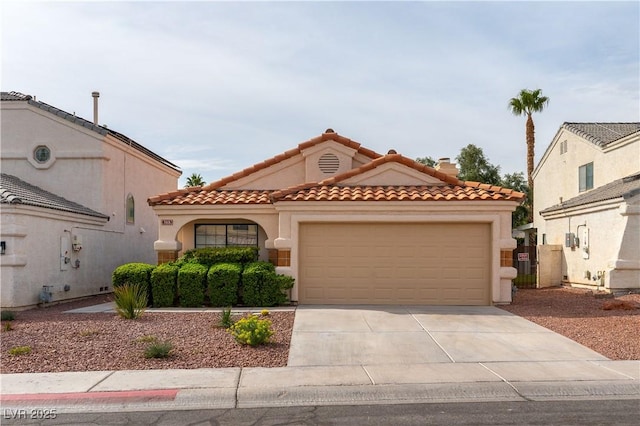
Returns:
(605, 228)
(40, 248)
(93, 170)
(130, 173)
(557, 175)
(77, 154)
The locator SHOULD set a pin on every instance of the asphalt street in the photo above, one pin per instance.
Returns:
(583, 413)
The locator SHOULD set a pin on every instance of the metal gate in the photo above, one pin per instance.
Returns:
(526, 262)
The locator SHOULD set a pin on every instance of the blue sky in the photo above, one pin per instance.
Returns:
(218, 86)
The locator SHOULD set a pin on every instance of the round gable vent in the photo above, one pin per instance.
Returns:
(328, 163)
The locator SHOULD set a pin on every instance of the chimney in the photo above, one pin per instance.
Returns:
(95, 95)
(445, 165)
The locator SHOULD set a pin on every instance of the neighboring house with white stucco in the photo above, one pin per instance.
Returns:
(587, 206)
(72, 202)
(353, 226)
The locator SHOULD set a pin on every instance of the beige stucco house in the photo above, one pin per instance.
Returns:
(72, 202)
(354, 226)
(587, 203)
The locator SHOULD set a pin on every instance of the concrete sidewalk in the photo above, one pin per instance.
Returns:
(147, 390)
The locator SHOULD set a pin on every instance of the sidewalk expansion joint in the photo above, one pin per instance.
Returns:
(611, 369)
(373, 382)
(101, 380)
(434, 339)
(526, 398)
(238, 386)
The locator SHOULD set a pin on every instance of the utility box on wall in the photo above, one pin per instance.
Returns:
(570, 239)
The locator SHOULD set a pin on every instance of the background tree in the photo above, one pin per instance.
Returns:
(195, 180)
(427, 161)
(474, 166)
(528, 102)
(517, 182)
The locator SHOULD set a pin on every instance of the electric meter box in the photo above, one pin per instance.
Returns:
(570, 239)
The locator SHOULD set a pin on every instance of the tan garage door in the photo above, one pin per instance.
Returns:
(383, 263)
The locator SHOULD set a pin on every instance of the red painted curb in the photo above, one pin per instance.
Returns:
(161, 394)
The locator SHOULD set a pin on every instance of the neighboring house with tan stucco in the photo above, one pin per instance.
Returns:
(72, 202)
(354, 226)
(587, 204)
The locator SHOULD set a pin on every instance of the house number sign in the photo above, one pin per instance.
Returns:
(167, 222)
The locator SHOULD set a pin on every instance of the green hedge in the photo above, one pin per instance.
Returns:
(223, 280)
(211, 255)
(191, 282)
(261, 286)
(164, 281)
(134, 273)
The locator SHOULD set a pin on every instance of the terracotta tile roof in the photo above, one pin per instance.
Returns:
(466, 191)
(398, 193)
(200, 196)
(327, 136)
(451, 188)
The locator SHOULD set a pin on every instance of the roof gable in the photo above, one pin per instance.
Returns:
(292, 157)
(104, 131)
(391, 177)
(376, 170)
(598, 136)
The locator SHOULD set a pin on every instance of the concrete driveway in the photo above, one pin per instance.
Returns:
(378, 335)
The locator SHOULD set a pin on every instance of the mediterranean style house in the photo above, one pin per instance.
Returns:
(72, 202)
(354, 226)
(587, 203)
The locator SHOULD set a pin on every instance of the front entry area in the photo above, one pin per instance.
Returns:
(395, 263)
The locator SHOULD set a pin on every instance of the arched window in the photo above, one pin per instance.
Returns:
(131, 209)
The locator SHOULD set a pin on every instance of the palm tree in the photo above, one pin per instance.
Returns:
(528, 102)
(195, 180)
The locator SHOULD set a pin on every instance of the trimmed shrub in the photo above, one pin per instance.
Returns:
(261, 286)
(211, 255)
(191, 282)
(134, 273)
(252, 331)
(223, 280)
(164, 284)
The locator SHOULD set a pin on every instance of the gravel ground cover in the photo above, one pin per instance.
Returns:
(579, 314)
(93, 342)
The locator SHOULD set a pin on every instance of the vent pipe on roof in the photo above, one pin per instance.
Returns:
(95, 95)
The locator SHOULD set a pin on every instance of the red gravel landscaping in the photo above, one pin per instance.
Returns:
(90, 342)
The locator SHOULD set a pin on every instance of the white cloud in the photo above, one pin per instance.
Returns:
(218, 86)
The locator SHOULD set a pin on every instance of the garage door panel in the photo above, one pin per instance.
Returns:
(394, 263)
(314, 272)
